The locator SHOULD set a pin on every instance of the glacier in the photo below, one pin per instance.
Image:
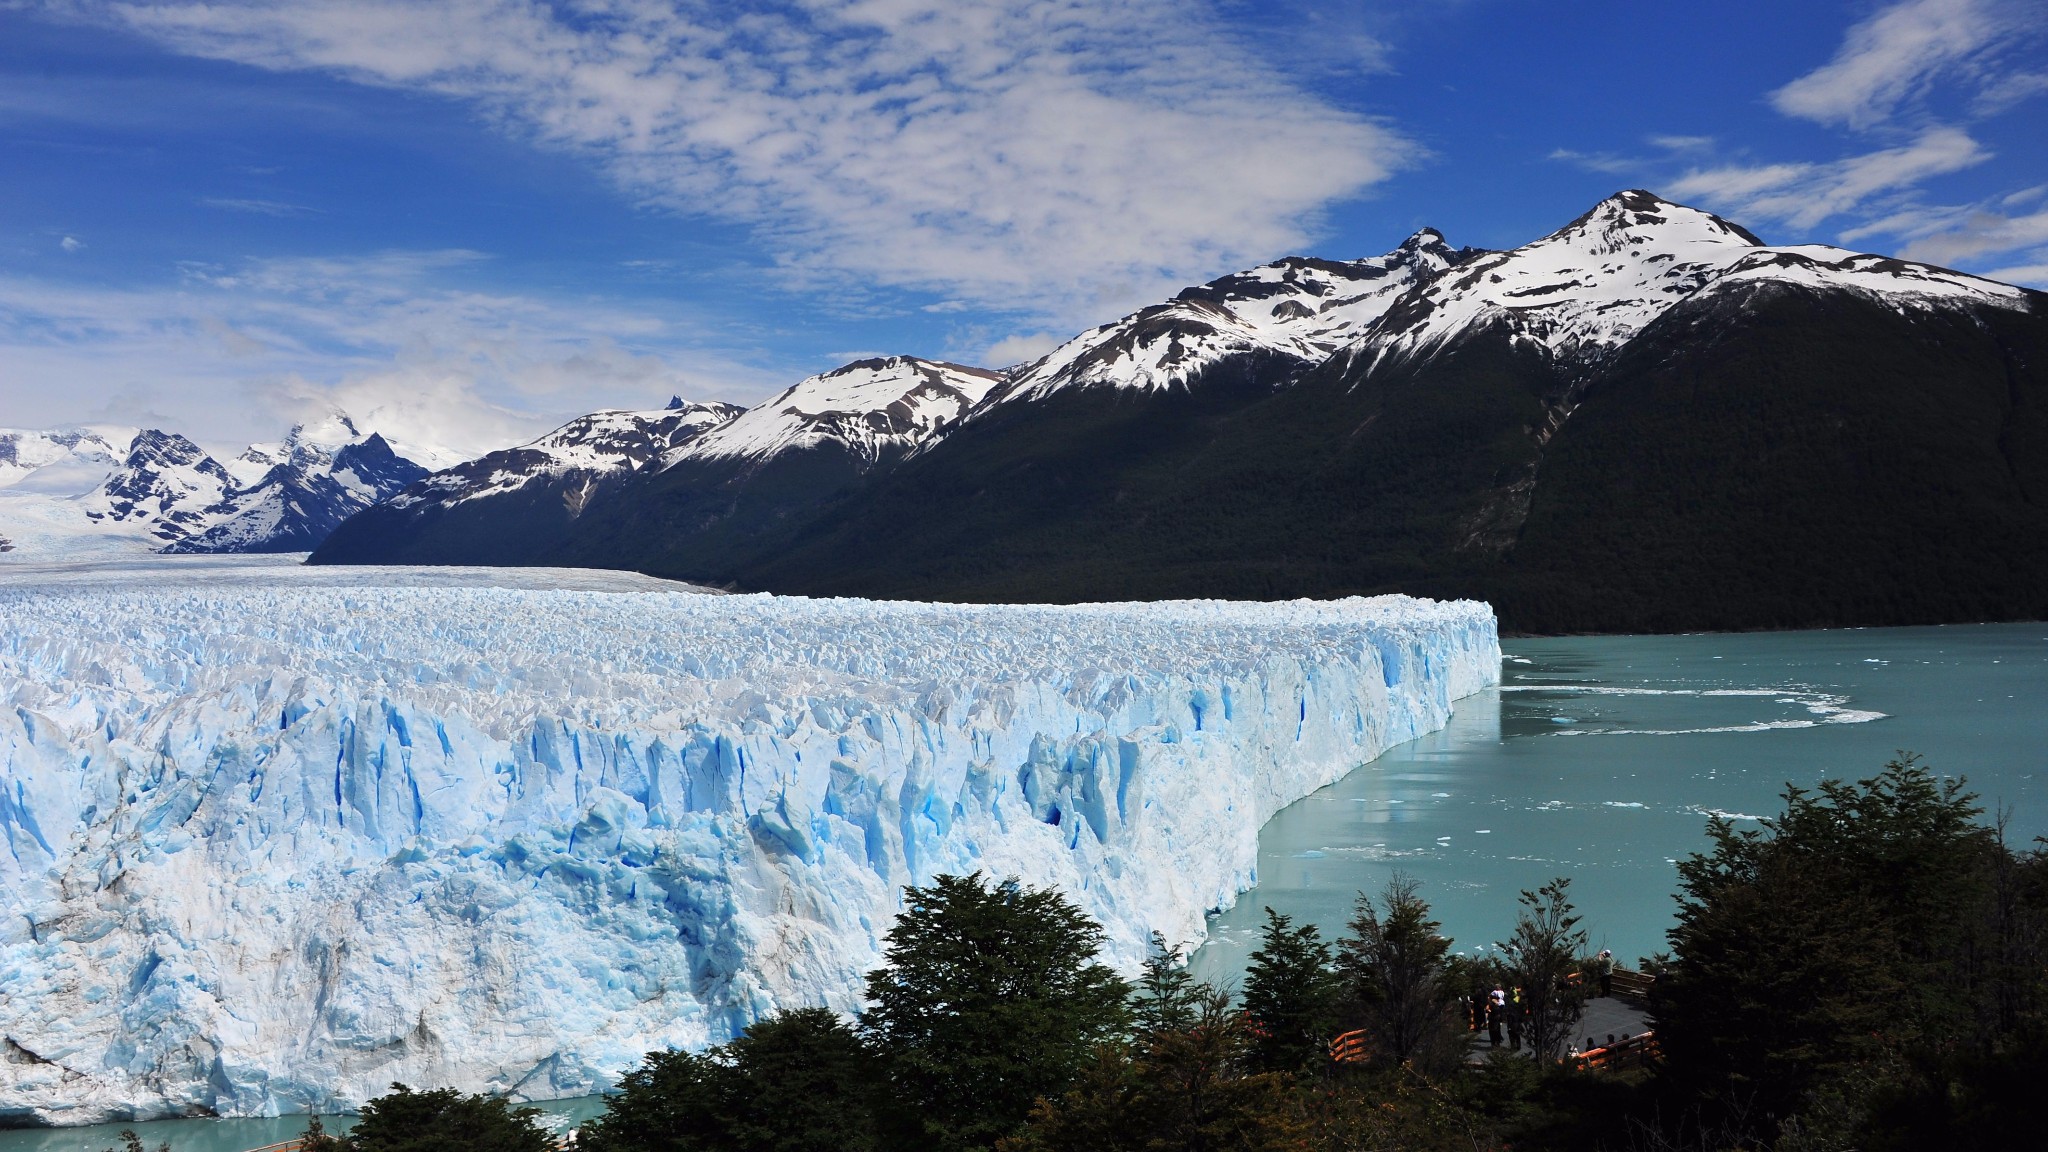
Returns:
(272, 838)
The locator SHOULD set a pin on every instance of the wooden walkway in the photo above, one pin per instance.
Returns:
(1615, 1031)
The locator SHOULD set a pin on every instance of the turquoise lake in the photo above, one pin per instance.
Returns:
(1601, 758)
(211, 1135)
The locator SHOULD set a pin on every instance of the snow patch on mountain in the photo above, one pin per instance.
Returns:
(582, 452)
(1593, 284)
(106, 490)
(1299, 308)
(64, 461)
(166, 485)
(269, 846)
(871, 407)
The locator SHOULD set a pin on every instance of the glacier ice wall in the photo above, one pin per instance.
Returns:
(268, 848)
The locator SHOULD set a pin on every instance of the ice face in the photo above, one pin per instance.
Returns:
(270, 844)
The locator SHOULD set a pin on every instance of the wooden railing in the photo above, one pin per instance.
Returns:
(1627, 1051)
(1634, 985)
(1350, 1048)
(566, 1140)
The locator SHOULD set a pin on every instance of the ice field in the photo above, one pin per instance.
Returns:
(272, 838)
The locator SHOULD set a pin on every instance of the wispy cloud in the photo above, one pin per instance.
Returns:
(1892, 56)
(1980, 233)
(1875, 87)
(259, 207)
(1065, 158)
(1607, 162)
(242, 350)
(1805, 194)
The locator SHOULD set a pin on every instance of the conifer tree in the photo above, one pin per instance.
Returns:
(991, 999)
(1167, 999)
(798, 1081)
(1290, 996)
(1541, 954)
(445, 1120)
(1396, 966)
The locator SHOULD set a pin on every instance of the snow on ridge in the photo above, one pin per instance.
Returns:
(605, 442)
(870, 406)
(1301, 308)
(272, 846)
(1592, 285)
(61, 461)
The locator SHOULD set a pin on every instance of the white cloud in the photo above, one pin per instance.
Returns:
(1978, 234)
(1605, 162)
(238, 353)
(1805, 194)
(2005, 91)
(71, 244)
(1683, 143)
(1070, 158)
(1021, 347)
(2032, 275)
(1888, 58)
(259, 207)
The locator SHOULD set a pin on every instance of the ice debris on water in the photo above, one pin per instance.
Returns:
(270, 847)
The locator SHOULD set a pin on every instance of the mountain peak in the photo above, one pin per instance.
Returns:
(1633, 218)
(1424, 240)
(870, 406)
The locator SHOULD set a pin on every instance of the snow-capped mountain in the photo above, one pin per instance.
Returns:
(708, 467)
(85, 490)
(871, 408)
(1591, 286)
(508, 504)
(67, 460)
(166, 486)
(1421, 421)
(301, 499)
(1296, 311)
(574, 458)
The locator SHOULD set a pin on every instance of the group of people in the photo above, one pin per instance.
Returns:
(1500, 1010)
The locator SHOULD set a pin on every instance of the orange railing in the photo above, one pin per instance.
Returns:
(566, 1140)
(1350, 1048)
(1628, 1050)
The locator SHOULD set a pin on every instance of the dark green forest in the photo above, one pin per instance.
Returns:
(1867, 970)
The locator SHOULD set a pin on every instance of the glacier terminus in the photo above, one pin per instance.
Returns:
(273, 839)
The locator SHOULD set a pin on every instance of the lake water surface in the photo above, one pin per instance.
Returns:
(1600, 759)
(236, 1135)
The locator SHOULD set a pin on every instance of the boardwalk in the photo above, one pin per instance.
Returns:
(1619, 1017)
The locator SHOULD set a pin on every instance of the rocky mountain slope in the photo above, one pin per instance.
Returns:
(511, 504)
(709, 480)
(1648, 419)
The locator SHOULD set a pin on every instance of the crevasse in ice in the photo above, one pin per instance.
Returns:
(269, 848)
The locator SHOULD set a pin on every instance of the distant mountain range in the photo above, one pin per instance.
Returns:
(112, 488)
(1648, 420)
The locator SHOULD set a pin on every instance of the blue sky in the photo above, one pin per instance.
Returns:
(475, 217)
